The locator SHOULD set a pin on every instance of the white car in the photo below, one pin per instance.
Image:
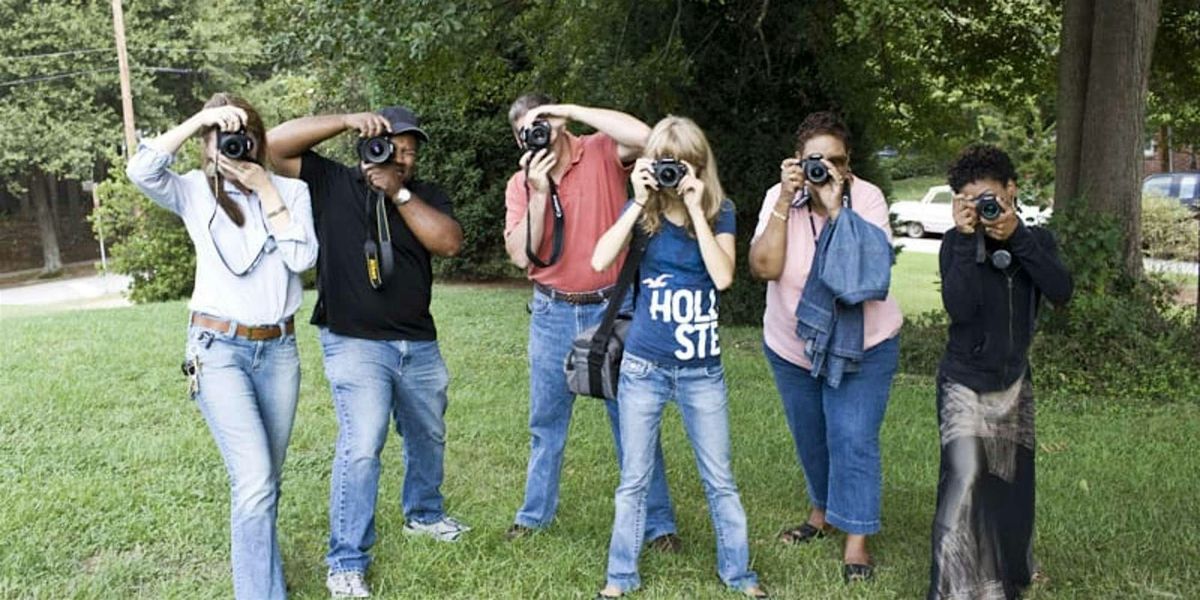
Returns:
(933, 213)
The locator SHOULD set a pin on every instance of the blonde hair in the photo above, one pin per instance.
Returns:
(680, 138)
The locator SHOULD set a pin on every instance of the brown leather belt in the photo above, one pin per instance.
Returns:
(254, 333)
(595, 297)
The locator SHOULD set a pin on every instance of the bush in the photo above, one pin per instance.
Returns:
(146, 242)
(1169, 230)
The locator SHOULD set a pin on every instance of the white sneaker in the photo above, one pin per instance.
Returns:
(447, 530)
(347, 584)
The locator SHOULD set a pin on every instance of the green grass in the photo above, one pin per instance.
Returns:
(114, 489)
(914, 188)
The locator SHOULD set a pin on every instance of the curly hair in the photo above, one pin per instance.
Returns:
(980, 161)
(822, 123)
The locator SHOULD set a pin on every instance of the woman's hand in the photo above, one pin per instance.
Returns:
(642, 179)
(965, 217)
(224, 118)
(540, 165)
(691, 188)
(791, 178)
(249, 175)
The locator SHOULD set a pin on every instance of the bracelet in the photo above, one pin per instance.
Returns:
(777, 215)
(640, 204)
(282, 209)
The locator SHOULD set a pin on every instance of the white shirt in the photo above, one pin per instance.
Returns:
(270, 291)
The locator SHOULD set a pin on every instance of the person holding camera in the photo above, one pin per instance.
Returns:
(673, 349)
(253, 235)
(379, 225)
(995, 271)
(569, 191)
(830, 330)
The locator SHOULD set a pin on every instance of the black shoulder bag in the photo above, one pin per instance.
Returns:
(593, 365)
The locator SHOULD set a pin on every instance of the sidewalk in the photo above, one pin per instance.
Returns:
(93, 291)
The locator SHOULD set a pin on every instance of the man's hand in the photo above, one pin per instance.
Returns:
(225, 118)
(540, 165)
(791, 178)
(642, 179)
(692, 190)
(965, 217)
(1004, 225)
(248, 174)
(829, 194)
(558, 113)
(384, 178)
(367, 124)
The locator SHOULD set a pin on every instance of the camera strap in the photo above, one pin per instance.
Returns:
(556, 204)
(625, 280)
(377, 249)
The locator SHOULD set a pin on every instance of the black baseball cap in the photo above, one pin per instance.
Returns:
(403, 120)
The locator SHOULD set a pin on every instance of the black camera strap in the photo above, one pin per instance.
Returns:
(625, 280)
(378, 246)
(556, 204)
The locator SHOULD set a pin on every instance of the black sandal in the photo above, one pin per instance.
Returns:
(803, 534)
(856, 572)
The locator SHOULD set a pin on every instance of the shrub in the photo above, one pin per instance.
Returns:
(1169, 230)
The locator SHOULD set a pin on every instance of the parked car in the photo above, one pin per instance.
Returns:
(1182, 186)
(933, 213)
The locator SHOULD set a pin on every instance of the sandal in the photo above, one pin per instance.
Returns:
(803, 534)
(857, 572)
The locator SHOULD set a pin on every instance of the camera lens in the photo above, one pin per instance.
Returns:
(536, 136)
(668, 172)
(376, 150)
(988, 207)
(236, 146)
(814, 169)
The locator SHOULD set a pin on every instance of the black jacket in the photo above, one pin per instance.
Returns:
(992, 312)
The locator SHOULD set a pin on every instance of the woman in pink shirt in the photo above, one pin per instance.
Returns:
(834, 420)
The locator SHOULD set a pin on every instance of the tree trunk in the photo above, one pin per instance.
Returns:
(40, 187)
(1104, 66)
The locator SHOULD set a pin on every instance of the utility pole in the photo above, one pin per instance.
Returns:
(126, 90)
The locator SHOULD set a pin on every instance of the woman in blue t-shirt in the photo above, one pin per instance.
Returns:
(672, 350)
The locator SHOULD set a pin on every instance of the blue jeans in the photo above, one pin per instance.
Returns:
(836, 432)
(373, 383)
(554, 324)
(644, 390)
(247, 393)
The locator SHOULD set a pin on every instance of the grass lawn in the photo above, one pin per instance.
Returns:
(114, 489)
(914, 188)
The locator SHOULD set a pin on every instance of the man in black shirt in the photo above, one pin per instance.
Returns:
(995, 271)
(378, 226)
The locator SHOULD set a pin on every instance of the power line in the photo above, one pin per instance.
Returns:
(133, 49)
(173, 70)
(53, 54)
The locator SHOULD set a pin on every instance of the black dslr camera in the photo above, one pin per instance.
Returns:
(815, 171)
(988, 207)
(668, 172)
(236, 144)
(376, 150)
(536, 136)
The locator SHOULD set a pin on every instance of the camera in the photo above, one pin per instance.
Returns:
(376, 150)
(236, 144)
(536, 136)
(815, 171)
(988, 207)
(668, 172)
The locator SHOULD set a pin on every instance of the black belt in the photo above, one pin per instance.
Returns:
(595, 297)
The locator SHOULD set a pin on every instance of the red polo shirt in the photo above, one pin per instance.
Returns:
(592, 192)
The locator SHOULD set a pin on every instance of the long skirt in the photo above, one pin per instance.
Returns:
(983, 528)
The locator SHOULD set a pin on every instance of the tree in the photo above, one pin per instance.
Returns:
(1104, 68)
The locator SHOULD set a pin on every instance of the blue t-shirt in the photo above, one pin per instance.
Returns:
(675, 314)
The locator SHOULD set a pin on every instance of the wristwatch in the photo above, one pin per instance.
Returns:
(403, 196)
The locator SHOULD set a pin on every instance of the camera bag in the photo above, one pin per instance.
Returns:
(593, 365)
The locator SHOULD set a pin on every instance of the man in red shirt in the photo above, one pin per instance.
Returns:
(571, 188)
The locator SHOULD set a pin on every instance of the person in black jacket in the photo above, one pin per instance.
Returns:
(995, 271)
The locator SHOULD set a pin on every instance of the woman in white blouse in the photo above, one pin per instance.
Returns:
(253, 235)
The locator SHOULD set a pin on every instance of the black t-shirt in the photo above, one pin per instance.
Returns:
(343, 214)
